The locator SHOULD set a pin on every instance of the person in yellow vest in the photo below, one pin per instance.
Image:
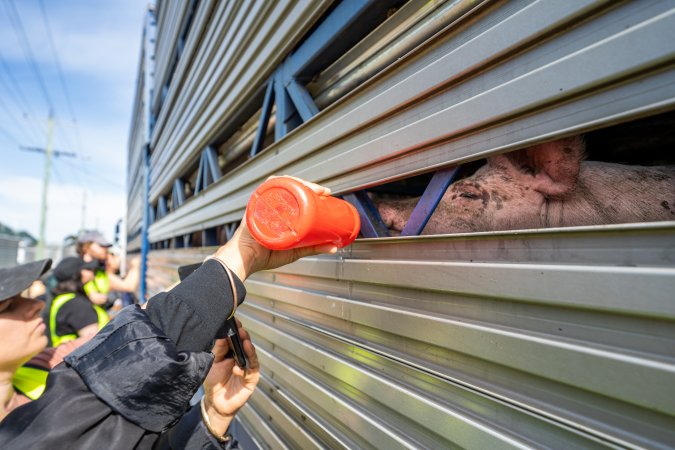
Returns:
(130, 386)
(70, 314)
(92, 246)
(24, 360)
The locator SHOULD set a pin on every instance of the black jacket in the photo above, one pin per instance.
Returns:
(130, 386)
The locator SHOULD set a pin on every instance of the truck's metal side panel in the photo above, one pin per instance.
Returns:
(556, 339)
(559, 338)
(522, 73)
(243, 42)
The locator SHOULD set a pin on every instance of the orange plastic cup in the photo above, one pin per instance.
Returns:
(283, 213)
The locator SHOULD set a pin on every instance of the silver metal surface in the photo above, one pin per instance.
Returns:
(244, 47)
(557, 338)
(409, 27)
(393, 127)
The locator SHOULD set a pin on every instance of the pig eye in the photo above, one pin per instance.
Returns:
(468, 195)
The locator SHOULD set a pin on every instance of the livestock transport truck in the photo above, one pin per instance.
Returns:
(539, 337)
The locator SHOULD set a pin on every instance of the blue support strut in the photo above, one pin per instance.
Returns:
(146, 222)
(429, 201)
(371, 222)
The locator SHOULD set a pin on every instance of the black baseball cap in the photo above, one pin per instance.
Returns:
(69, 268)
(14, 280)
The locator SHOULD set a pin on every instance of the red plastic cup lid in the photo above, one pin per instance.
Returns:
(279, 213)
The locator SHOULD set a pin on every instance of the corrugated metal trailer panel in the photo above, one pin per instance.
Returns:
(136, 146)
(171, 17)
(525, 72)
(557, 338)
(243, 44)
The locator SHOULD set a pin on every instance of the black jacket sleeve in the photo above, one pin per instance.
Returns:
(135, 378)
(193, 313)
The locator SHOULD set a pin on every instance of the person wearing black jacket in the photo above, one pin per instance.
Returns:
(130, 386)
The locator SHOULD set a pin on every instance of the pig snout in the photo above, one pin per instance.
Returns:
(395, 213)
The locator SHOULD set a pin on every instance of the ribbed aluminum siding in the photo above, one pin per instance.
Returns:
(533, 339)
(517, 74)
(544, 339)
(240, 44)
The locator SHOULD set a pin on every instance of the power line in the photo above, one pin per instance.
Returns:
(56, 59)
(33, 133)
(9, 135)
(62, 79)
(13, 117)
(17, 91)
(17, 96)
(96, 176)
(23, 41)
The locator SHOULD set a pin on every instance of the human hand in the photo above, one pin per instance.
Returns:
(244, 255)
(227, 386)
(134, 263)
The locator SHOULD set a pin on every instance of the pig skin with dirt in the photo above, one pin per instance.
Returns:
(548, 185)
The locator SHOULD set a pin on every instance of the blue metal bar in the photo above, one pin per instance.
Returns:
(177, 194)
(211, 168)
(329, 31)
(302, 100)
(178, 242)
(429, 201)
(210, 237)
(268, 102)
(199, 183)
(149, 71)
(146, 222)
(230, 228)
(285, 108)
(162, 208)
(371, 222)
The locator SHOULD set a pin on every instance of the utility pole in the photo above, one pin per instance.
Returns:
(49, 152)
(45, 186)
(84, 208)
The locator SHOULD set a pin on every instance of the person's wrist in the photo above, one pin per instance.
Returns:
(216, 422)
(238, 263)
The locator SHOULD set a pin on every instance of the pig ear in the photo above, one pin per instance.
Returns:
(554, 166)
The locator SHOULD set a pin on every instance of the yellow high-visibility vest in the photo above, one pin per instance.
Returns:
(57, 303)
(100, 283)
(30, 381)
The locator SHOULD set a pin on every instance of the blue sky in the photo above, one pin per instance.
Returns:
(98, 48)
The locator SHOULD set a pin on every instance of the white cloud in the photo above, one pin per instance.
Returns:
(21, 199)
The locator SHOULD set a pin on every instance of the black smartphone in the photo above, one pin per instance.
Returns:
(231, 325)
(235, 343)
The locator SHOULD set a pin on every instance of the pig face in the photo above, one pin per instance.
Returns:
(492, 199)
(511, 191)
